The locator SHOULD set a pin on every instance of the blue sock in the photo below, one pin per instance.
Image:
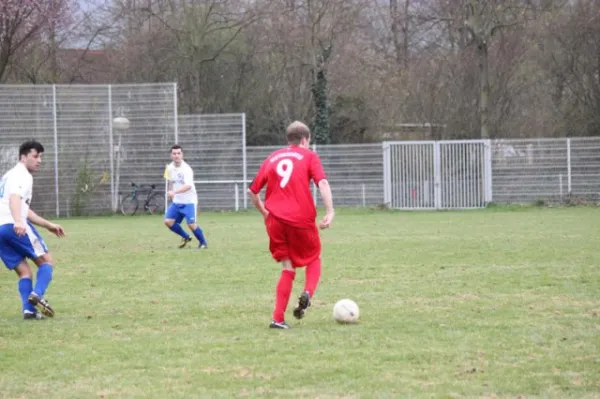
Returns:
(25, 288)
(44, 276)
(200, 236)
(176, 228)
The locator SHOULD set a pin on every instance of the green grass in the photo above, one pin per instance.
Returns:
(493, 303)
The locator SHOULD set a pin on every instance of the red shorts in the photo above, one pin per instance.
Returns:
(301, 246)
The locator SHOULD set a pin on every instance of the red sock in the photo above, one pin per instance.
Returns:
(284, 290)
(313, 274)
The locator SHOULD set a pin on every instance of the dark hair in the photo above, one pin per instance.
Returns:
(29, 146)
(176, 147)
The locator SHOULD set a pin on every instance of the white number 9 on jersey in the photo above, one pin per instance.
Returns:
(284, 169)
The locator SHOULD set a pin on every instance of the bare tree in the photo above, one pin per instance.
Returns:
(480, 22)
(22, 21)
(190, 42)
(485, 68)
(61, 51)
(324, 22)
(400, 30)
(572, 61)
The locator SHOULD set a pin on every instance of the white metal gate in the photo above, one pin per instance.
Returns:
(437, 174)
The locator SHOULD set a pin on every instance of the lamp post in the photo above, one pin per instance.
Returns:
(120, 124)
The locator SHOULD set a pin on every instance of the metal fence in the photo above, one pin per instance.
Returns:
(473, 173)
(457, 174)
(453, 174)
(87, 162)
(437, 174)
(354, 170)
(524, 171)
(214, 146)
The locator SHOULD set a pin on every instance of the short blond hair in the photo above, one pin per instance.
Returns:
(296, 131)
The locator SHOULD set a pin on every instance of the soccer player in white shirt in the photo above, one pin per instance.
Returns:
(182, 191)
(19, 240)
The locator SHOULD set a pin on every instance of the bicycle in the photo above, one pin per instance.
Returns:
(154, 202)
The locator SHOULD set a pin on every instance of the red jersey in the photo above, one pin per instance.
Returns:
(287, 174)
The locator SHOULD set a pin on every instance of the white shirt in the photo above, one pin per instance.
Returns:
(19, 181)
(181, 176)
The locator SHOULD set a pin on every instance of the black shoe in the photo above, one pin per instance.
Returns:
(184, 242)
(282, 326)
(29, 315)
(303, 304)
(42, 304)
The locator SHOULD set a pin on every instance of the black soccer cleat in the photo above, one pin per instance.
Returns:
(184, 242)
(280, 325)
(42, 304)
(303, 304)
(29, 315)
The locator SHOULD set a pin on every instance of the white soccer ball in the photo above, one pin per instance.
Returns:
(121, 123)
(346, 311)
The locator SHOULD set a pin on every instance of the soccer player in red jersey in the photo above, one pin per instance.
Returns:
(289, 212)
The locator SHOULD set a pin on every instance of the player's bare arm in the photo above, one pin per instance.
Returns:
(255, 188)
(258, 204)
(183, 189)
(40, 221)
(180, 190)
(327, 198)
(14, 204)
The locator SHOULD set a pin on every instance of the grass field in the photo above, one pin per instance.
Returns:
(491, 303)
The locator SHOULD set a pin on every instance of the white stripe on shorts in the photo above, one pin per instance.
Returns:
(38, 248)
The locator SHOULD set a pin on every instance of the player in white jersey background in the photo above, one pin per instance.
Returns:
(182, 191)
(19, 239)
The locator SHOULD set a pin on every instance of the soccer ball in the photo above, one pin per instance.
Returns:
(345, 311)
(121, 123)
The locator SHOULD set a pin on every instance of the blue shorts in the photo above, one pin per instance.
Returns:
(14, 249)
(180, 211)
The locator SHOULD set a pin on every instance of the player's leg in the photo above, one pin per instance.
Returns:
(278, 246)
(283, 293)
(25, 286)
(13, 257)
(190, 216)
(306, 251)
(173, 218)
(313, 275)
(43, 260)
(44, 277)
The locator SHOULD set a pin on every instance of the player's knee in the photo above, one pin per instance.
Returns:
(44, 259)
(24, 273)
(192, 226)
(286, 264)
(23, 270)
(169, 222)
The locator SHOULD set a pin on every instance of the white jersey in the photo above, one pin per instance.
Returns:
(19, 181)
(181, 176)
